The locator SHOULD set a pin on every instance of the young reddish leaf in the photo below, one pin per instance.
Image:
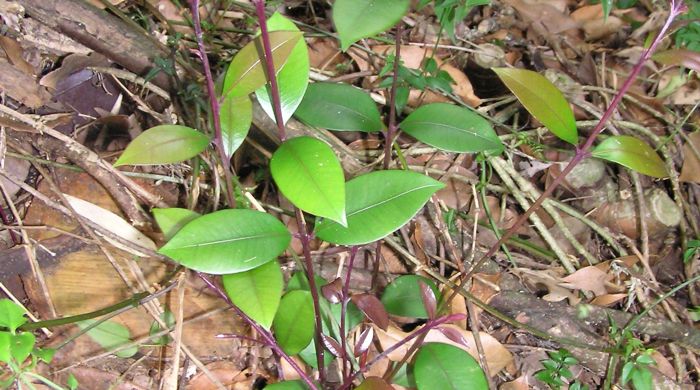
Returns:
(373, 309)
(682, 57)
(429, 300)
(374, 383)
(364, 341)
(246, 73)
(454, 335)
(543, 100)
(331, 345)
(333, 291)
(445, 367)
(164, 144)
(632, 153)
(293, 79)
(357, 19)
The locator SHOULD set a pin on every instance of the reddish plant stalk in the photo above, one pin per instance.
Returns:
(677, 7)
(391, 130)
(343, 312)
(303, 232)
(268, 339)
(213, 103)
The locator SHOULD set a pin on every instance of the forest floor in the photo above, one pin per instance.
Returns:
(80, 79)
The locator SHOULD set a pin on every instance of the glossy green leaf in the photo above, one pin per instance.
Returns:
(308, 355)
(357, 19)
(632, 153)
(446, 367)
(110, 335)
(228, 241)
(164, 144)
(287, 385)
(309, 174)
(607, 7)
(543, 100)
(236, 114)
(402, 297)
(11, 315)
(294, 322)
(21, 346)
(378, 203)
(452, 128)
(293, 78)
(257, 292)
(171, 220)
(340, 107)
(246, 73)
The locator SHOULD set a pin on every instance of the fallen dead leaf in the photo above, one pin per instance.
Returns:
(521, 383)
(551, 280)
(552, 18)
(599, 28)
(691, 163)
(608, 300)
(227, 373)
(588, 279)
(14, 52)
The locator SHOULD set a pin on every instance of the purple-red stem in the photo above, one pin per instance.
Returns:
(431, 324)
(213, 103)
(391, 130)
(304, 236)
(583, 151)
(266, 335)
(343, 312)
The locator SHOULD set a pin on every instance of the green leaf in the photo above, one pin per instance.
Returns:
(607, 7)
(632, 153)
(340, 107)
(72, 382)
(11, 315)
(543, 100)
(452, 128)
(44, 354)
(228, 241)
(287, 385)
(357, 19)
(257, 292)
(294, 322)
(5, 341)
(21, 346)
(236, 114)
(110, 335)
(164, 144)
(171, 220)
(247, 72)
(445, 367)
(309, 174)
(378, 203)
(642, 379)
(293, 79)
(168, 318)
(402, 297)
(308, 355)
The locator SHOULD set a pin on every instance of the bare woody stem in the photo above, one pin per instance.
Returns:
(391, 130)
(304, 236)
(583, 151)
(213, 103)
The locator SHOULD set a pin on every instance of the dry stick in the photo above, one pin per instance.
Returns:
(304, 236)
(582, 152)
(214, 103)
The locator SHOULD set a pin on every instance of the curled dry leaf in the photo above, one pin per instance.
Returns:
(114, 223)
(608, 300)
(691, 163)
(549, 279)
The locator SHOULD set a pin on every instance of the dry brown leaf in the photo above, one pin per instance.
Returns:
(458, 305)
(607, 300)
(324, 54)
(14, 52)
(520, 383)
(99, 4)
(588, 13)
(497, 356)
(553, 19)
(21, 87)
(599, 28)
(288, 372)
(389, 338)
(691, 163)
(227, 373)
(550, 280)
(588, 279)
(663, 365)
